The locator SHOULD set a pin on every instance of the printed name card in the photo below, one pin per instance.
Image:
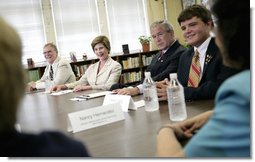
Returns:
(125, 101)
(95, 117)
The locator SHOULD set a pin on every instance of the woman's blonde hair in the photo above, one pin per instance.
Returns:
(12, 75)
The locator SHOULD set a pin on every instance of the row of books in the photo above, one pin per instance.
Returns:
(146, 60)
(80, 70)
(131, 62)
(33, 75)
(131, 77)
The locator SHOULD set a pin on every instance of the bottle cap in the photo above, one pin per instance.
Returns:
(173, 76)
(147, 74)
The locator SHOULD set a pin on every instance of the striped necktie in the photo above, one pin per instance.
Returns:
(51, 73)
(194, 73)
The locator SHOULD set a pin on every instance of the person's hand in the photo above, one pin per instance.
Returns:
(161, 90)
(79, 88)
(57, 88)
(127, 91)
(191, 125)
(31, 86)
(179, 132)
(187, 128)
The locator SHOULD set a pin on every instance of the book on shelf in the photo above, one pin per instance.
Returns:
(130, 77)
(147, 60)
(33, 75)
(131, 62)
(81, 69)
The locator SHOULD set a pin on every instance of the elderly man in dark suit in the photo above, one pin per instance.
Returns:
(164, 62)
(200, 69)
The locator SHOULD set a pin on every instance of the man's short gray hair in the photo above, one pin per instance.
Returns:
(164, 23)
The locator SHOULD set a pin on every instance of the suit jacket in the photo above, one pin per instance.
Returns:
(214, 73)
(103, 80)
(161, 67)
(45, 144)
(62, 73)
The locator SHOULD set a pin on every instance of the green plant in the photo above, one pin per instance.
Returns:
(144, 39)
(186, 45)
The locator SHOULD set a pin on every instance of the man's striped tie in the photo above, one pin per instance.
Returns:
(194, 73)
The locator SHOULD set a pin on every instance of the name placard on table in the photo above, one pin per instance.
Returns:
(95, 117)
(125, 101)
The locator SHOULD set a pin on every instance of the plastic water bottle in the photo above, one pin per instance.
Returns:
(176, 101)
(150, 93)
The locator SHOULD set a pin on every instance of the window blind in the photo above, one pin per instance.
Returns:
(126, 21)
(76, 24)
(26, 17)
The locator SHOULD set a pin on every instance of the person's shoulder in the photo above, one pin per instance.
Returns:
(239, 79)
(238, 84)
(63, 61)
(114, 62)
(61, 144)
(44, 144)
(187, 52)
(212, 47)
(181, 49)
(54, 135)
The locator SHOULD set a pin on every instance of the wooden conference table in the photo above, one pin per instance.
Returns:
(133, 137)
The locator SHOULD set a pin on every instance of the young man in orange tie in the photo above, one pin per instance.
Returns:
(200, 74)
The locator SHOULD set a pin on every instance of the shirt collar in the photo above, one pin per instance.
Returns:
(55, 62)
(164, 51)
(203, 47)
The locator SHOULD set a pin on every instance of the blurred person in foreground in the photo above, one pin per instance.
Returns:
(14, 143)
(225, 131)
(100, 75)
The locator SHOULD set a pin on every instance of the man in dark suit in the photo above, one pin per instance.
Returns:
(200, 80)
(164, 62)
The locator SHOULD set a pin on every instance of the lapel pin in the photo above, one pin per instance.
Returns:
(208, 58)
